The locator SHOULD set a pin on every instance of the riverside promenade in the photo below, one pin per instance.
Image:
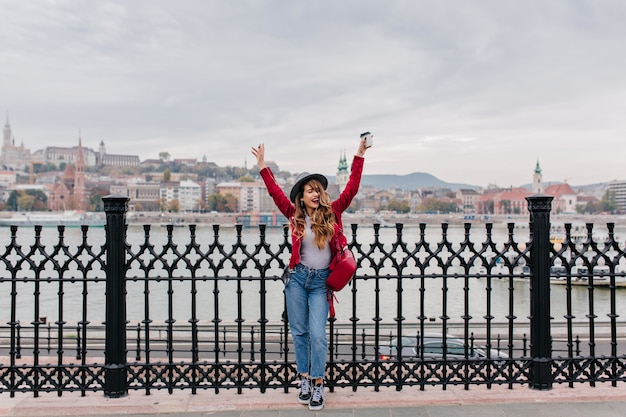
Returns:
(600, 401)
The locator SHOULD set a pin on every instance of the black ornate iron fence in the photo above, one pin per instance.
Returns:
(144, 311)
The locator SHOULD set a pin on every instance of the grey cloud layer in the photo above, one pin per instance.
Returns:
(450, 88)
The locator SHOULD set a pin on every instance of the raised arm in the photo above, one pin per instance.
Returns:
(281, 201)
(352, 187)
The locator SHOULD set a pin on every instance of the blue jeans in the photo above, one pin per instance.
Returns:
(307, 311)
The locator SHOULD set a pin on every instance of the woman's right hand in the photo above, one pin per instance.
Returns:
(259, 153)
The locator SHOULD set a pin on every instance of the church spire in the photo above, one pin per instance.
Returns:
(537, 177)
(342, 171)
(7, 131)
(80, 192)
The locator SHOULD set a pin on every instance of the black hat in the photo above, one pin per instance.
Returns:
(302, 179)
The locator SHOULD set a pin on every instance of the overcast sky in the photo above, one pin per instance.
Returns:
(469, 91)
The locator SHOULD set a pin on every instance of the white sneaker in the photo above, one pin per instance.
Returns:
(317, 398)
(305, 391)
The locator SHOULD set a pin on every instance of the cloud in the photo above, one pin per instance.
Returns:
(467, 91)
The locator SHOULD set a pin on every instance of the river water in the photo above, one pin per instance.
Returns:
(239, 299)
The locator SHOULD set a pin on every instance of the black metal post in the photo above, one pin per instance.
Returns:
(115, 371)
(539, 206)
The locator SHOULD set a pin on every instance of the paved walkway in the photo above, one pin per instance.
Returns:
(561, 401)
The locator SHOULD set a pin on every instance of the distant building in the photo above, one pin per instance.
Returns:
(619, 188)
(63, 155)
(537, 177)
(190, 162)
(145, 193)
(232, 188)
(583, 200)
(512, 201)
(58, 155)
(152, 163)
(250, 198)
(343, 172)
(415, 200)
(69, 192)
(12, 157)
(120, 160)
(189, 195)
(468, 198)
(105, 159)
(7, 178)
(565, 198)
(183, 176)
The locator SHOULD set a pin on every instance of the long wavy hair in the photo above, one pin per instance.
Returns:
(322, 219)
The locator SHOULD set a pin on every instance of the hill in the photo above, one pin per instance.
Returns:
(411, 181)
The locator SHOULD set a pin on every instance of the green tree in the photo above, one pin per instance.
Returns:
(245, 178)
(167, 175)
(437, 206)
(222, 203)
(95, 198)
(27, 200)
(164, 156)
(589, 208)
(174, 206)
(608, 203)
(399, 206)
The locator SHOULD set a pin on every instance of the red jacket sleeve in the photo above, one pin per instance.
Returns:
(352, 187)
(282, 202)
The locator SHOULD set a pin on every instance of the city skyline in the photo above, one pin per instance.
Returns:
(340, 157)
(468, 92)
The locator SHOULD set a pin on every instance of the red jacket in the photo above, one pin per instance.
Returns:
(288, 209)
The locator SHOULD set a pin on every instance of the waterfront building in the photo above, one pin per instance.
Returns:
(249, 199)
(232, 188)
(468, 198)
(140, 192)
(252, 197)
(619, 189)
(511, 201)
(415, 200)
(208, 188)
(7, 178)
(168, 192)
(565, 198)
(189, 195)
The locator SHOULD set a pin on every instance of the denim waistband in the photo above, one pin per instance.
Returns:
(306, 268)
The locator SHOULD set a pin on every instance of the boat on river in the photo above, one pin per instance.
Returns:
(580, 275)
(67, 218)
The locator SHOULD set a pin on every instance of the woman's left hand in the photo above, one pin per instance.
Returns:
(362, 148)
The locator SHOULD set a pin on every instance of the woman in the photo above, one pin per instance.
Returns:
(316, 230)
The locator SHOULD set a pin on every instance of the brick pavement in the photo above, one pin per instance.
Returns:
(600, 401)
